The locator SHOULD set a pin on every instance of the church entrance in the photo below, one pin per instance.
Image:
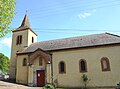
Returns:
(40, 78)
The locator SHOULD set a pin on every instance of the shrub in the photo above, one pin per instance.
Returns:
(48, 86)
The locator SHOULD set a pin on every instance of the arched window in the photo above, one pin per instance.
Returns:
(19, 40)
(24, 62)
(62, 67)
(105, 64)
(83, 65)
(40, 61)
(32, 39)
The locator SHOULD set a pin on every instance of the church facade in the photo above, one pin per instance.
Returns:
(63, 62)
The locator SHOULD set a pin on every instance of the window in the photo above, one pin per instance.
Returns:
(19, 39)
(32, 40)
(62, 67)
(83, 65)
(105, 64)
(40, 61)
(24, 62)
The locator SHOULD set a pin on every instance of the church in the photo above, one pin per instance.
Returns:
(63, 62)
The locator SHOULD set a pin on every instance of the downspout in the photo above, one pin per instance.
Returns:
(51, 68)
(28, 70)
(46, 73)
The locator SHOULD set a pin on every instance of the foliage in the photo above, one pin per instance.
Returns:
(7, 8)
(48, 86)
(118, 86)
(4, 63)
(85, 78)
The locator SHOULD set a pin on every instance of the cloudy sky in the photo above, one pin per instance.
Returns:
(54, 19)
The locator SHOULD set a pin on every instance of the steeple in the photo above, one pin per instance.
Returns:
(25, 21)
(22, 37)
(25, 25)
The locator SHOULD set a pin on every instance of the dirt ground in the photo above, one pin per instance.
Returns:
(6, 85)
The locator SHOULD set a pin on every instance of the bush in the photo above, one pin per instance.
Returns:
(48, 86)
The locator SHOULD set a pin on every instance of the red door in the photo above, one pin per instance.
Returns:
(40, 78)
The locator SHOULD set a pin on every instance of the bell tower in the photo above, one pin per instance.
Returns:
(22, 37)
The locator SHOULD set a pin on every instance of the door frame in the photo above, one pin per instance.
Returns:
(35, 75)
(40, 78)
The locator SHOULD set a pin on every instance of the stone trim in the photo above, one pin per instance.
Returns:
(107, 64)
(34, 75)
(60, 72)
(80, 69)
(41, 53)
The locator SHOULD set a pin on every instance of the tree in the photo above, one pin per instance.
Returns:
(4, 63)
(7, 9)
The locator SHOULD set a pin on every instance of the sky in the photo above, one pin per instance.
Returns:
(55, 19)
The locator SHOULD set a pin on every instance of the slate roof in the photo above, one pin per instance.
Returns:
(25, 25)
(74, 42)
(25, 21)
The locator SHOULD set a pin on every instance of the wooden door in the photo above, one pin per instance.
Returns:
(40, 78)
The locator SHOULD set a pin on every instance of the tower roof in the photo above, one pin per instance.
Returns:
(25, 21)
(25, 25)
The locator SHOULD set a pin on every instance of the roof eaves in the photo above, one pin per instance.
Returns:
(22, 29)
(20, 53)
(112, 34)
(85, 46)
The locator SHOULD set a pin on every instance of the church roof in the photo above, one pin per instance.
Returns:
(25, 25)
(25, 21)
(74, 42)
